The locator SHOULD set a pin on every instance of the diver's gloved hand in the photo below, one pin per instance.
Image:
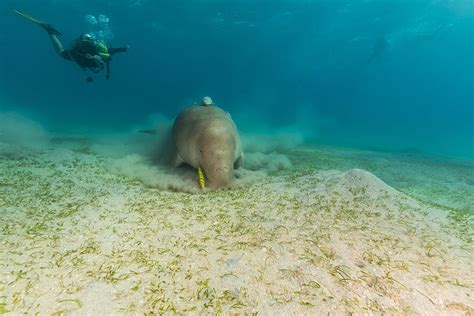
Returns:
(96, 58)
(50, 29)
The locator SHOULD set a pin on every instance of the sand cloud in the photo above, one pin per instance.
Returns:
(18, 130)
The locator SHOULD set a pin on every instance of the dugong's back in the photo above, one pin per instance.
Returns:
(198, 124)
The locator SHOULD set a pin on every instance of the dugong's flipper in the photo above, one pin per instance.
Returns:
(176, 160)
(239, 163)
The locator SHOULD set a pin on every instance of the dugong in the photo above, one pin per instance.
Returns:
(206, 137)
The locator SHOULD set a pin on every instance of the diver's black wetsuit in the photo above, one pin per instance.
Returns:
(85, 54)
(79, 54)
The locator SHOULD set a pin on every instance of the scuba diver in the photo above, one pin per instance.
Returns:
(380, 48)
(86, 51)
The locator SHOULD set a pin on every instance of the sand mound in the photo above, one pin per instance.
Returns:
(77, 238)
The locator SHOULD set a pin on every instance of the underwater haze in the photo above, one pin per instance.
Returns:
(345, 186)
(388, 75)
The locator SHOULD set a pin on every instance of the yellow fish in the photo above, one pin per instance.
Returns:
(202, 182)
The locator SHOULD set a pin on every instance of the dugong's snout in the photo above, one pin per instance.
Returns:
(219, 176)
(218, 168)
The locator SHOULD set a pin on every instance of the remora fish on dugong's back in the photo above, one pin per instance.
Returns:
(206, 137)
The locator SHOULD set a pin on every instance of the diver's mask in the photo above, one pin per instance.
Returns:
(86, 37)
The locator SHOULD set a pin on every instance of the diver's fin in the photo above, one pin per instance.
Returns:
(202, 181)
(48, 27)
(149, 131)
(29, 17)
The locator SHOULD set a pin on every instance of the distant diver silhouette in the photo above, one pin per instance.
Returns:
(88, 52)
(381, 45)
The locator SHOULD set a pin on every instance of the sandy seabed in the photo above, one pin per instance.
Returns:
(78, 239)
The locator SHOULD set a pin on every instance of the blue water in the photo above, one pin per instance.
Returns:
(393, 75)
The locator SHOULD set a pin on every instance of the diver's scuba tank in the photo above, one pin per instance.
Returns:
(102, 50)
